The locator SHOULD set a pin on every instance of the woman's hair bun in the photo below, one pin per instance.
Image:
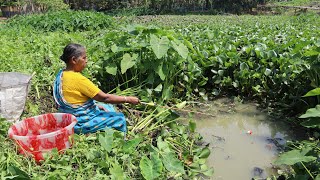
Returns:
(72, 50)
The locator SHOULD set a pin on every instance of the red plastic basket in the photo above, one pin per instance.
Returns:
(40, 134)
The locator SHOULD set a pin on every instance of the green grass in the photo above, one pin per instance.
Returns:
(298, 3)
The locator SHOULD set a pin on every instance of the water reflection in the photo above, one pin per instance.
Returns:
(236, 154)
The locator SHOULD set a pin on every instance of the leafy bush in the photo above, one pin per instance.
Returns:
(139, 11)
(51, 5)
(69, 21)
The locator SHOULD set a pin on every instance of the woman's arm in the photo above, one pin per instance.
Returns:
(114, 99)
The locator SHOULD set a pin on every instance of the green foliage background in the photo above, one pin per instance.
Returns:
(165, 59)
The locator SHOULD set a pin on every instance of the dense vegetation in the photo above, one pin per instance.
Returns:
(169, 6)
(272, 59)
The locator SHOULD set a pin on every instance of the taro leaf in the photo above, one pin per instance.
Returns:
(272, 54)
(195, 166)
(312, 112)
(162, 145)
(205, 152)
(181, 105)
(186, 78)
(127, 62)
(314, 92)
(111, 69)
(305, 150)
(107, 139)
(114, 48)
(208, 172)
(171, 163)
(181, 49)
(192, 126)
(158, 88)
(159, 46)
(151, 169)
(243, 66)
(311, 123)
(160, 72)
(167, 92)
(293, 157)
(131, 145)
(150, 79)
(267, 72)
(18, 173)
(117, 172)
(156, 161)
(235, 84)
(90, 155)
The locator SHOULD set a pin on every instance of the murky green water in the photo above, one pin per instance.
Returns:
(237, 154)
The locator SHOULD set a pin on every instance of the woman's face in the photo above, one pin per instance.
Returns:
(81, 62)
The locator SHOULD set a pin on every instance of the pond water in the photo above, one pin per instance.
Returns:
(243, 141)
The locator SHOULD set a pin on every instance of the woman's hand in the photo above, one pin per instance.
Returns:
(102, 108)
(132, 100)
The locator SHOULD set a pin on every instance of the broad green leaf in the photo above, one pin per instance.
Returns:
(235, 84)
(106, 140)
(158, 88)
(112, 69)
(272, 54)
(314, 92)
(131, 145)
(185, 78)
(151, 169)
(160, 46)
(305, 150)
(181, 105)
(21, 175)
(181, 49)
(208, 172)
(312, 112)
(127, 62)
(155, 159)
(167, 92)
(160, 72)
(267, 72)
(162, 145)
(150, 79)
(311, 123)
(318, 177)
(117, 172)
(171, 163)
(205, 152)
(244, 66)
(114, 48)
(293, 157)
(248, 49)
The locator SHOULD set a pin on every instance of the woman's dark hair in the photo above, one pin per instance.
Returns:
(71, 50)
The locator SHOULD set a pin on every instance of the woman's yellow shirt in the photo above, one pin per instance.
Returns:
(76, 88)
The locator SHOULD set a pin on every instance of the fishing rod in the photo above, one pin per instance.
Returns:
(177, 109)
